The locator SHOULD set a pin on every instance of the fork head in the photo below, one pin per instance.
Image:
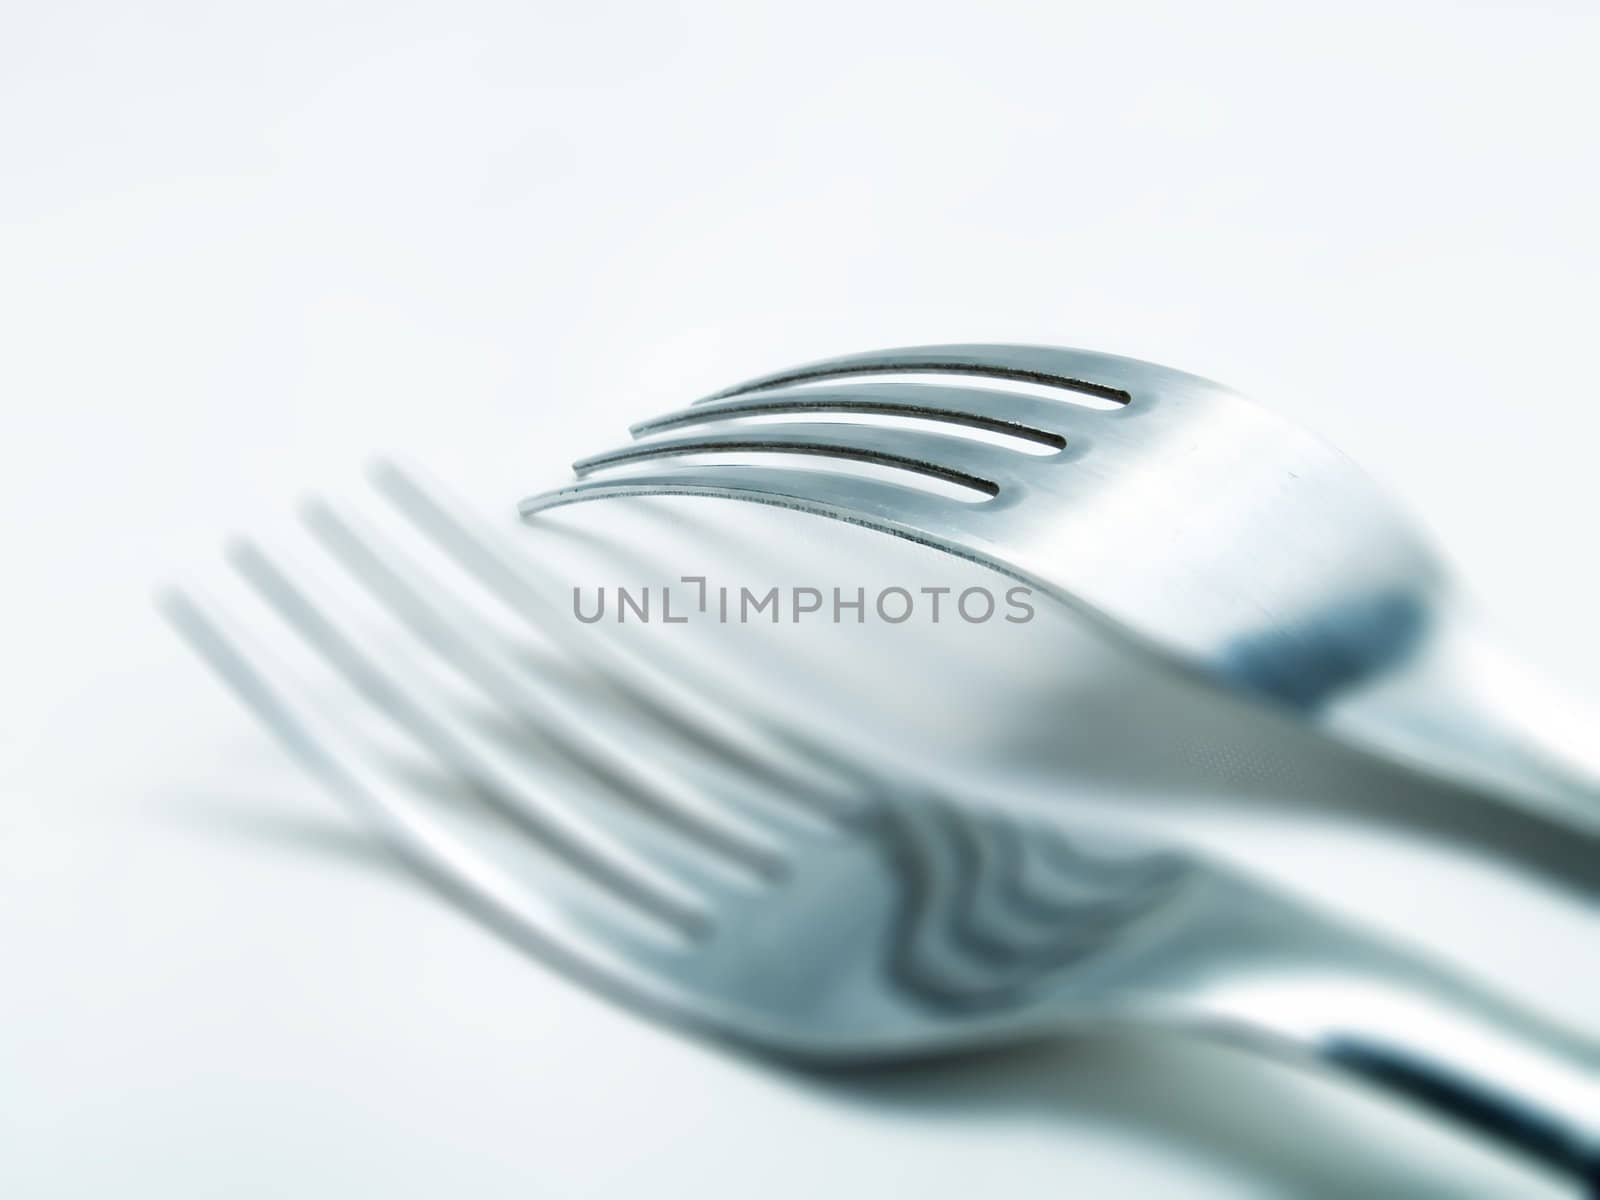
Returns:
(841, 935)
(1184, 516)
(898, 927)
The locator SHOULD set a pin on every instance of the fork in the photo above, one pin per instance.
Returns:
(898, 927)
(1233, 545)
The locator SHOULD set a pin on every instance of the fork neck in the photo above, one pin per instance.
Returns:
(1461, 707)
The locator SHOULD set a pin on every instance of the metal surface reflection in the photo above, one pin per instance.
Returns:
(854, 921)
(1229, 542)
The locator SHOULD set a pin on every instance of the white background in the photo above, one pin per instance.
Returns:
(245, 246)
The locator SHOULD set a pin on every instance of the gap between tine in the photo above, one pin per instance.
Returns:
(437, 620)
(1023, 417)
(1050, 366)
(954, 460)
(571, 934)
(809, 772)
(587, 847)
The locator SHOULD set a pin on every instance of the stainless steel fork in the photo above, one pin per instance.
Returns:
(893, 928)
(1222, 538)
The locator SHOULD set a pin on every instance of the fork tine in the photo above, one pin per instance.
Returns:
(603, 858)
(904, 512)
(811, 773)
(573, 936)
(956, 460)
(990, 409)
(429, 613)
(1108, 376)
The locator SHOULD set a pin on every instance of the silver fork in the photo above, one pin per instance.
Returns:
(899, 928)
(1205, 529)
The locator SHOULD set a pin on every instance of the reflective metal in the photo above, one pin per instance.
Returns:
(1207, 530)
(896, 927)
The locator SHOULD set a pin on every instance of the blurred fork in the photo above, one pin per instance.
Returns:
(1205, 529)
(898, 928)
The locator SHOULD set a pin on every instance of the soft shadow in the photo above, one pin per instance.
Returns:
(268, 823)
(1278, 1129)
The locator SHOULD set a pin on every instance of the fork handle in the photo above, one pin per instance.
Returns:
(1536, 1128)
(1427, 1036)
(1460, 707)
(1503, 1077)
(1489, 1067)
